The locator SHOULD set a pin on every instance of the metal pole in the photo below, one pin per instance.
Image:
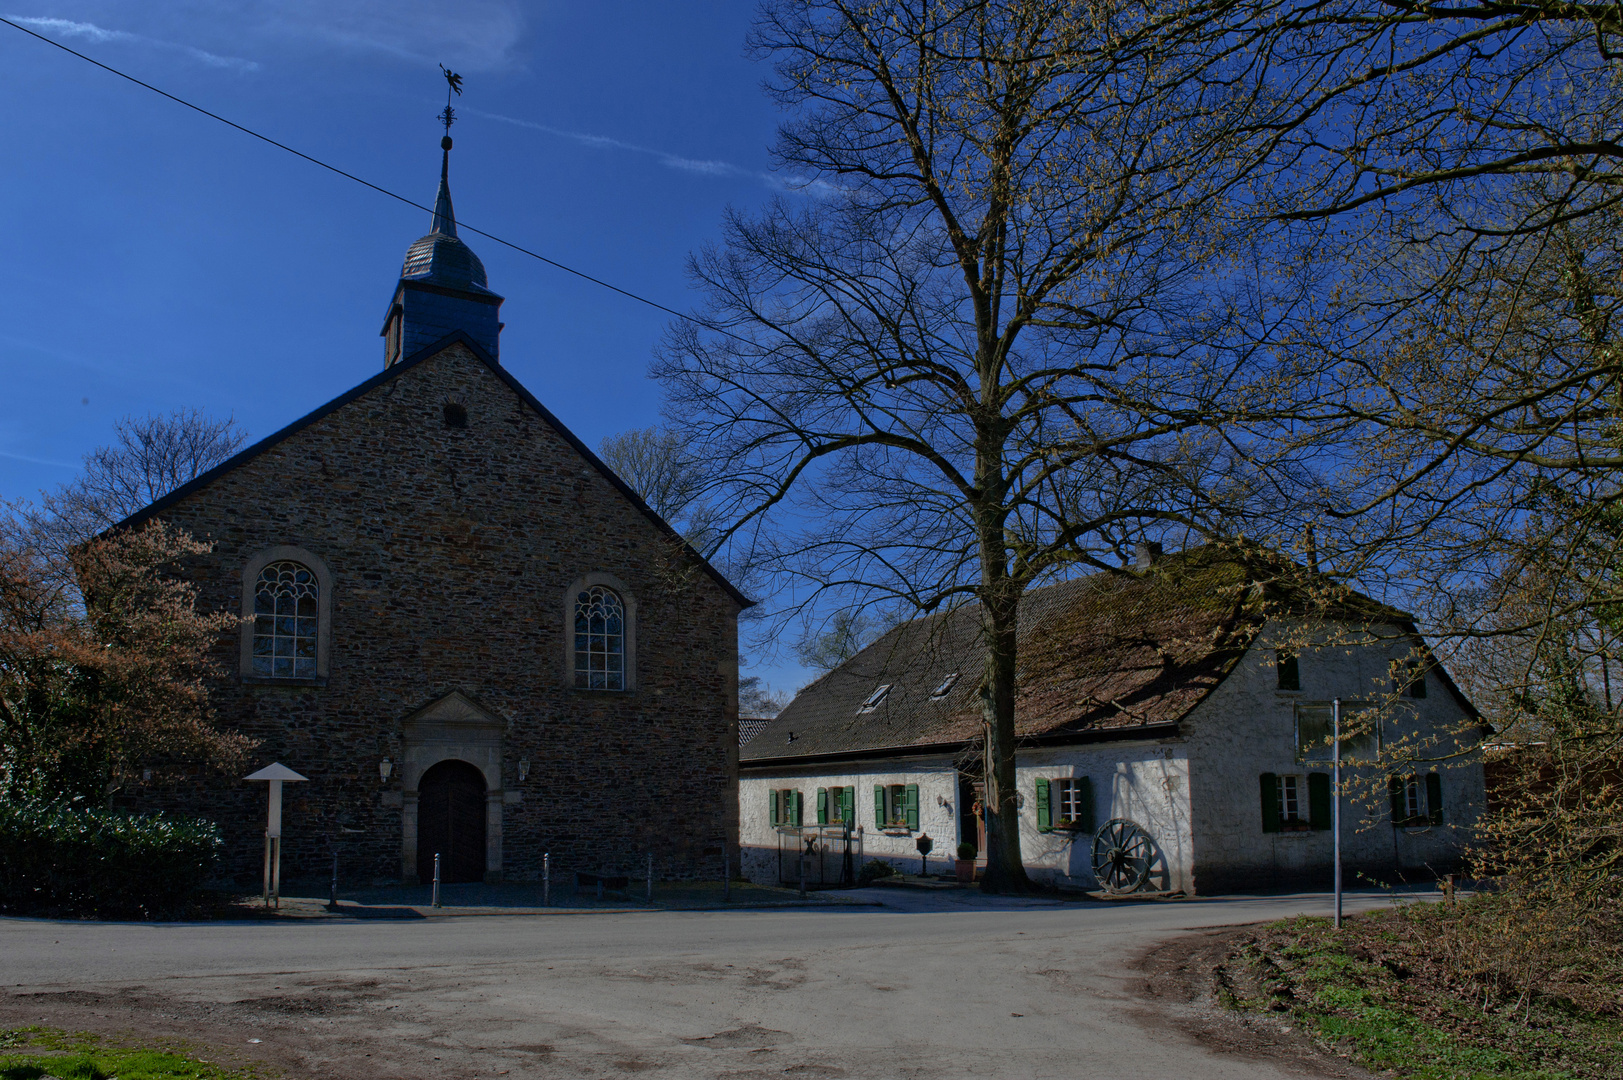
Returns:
(802, 849)
(1335, 796)
(332, 900)
(276, 873)
(436, 879)
(546, 879)
(650, 877)
(266, 892)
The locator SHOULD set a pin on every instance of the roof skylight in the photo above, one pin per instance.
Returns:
(946, 686)
(874, 699)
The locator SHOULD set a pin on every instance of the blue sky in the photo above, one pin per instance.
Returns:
(156, 259)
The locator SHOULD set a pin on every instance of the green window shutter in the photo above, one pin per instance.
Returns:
(800, 808)
(1318, 801)
(879, 806)
(1394, 790)
(1270, 802)
(848, 805)
(777, 817)
(1085, 793)
(912, 806)
(1045, 811)
(1434, 797)
(822, 806)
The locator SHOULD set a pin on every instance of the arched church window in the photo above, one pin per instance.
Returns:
(600, 639)
(287, 603)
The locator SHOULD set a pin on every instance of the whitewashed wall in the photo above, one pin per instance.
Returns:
(938, 810)
(1247, 727)
(1147, 783)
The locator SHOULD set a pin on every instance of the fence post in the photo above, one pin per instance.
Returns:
(801, 845)
(546, 879)
(436, 879)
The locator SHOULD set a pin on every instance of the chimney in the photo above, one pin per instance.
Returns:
(1145, 554)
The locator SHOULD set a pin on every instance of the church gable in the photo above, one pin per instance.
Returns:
(424, 416)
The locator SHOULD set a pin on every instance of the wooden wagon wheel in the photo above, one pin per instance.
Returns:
(1122, 853)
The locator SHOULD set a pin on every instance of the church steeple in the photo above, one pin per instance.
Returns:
(442, 283)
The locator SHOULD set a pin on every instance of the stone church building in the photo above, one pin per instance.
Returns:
(471, 636)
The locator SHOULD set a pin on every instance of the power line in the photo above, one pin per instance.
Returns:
(367, 183)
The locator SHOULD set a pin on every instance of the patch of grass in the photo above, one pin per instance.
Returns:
(1380, 992)
(30, 1053)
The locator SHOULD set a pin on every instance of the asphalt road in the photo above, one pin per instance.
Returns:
(930, 986)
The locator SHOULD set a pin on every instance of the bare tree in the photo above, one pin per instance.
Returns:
(152, 456)
(658, 466)
(996, 349)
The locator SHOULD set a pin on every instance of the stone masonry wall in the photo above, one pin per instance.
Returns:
(451, 550)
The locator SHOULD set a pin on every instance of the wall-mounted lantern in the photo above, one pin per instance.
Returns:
(384, 768)
(523, 770)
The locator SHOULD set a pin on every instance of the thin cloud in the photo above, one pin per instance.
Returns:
(91, 32)
(696, 166)
(38, 460)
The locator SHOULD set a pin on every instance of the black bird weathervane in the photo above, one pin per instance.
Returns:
(453, 85)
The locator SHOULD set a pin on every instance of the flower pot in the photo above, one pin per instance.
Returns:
(965, 869)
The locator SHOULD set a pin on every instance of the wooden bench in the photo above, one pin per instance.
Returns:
(616, 883)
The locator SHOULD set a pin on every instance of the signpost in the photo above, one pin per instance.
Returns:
(925, 846)
(1335, 795)
(275, 775)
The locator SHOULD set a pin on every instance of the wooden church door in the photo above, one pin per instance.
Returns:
(451, 822)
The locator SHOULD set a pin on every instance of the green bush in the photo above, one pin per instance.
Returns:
(873, 871)
(65, 858)
(967, 850)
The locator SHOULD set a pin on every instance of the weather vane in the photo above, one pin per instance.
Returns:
(453, 84)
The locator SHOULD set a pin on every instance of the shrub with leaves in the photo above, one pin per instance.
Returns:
(66, 858)
(103, 662)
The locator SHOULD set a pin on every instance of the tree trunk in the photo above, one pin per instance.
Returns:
(1005, 869)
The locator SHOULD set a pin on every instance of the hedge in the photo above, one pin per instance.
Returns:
(66, 858)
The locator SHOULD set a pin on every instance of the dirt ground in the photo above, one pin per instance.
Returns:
(1182, 978)
(325, 1027)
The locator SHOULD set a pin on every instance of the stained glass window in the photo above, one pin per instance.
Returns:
(600, 640)
(286, 600)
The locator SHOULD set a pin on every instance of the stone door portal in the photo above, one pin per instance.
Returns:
(451, 822)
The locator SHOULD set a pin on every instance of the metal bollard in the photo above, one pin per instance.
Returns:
(546, 879)
(650, 877)
(332, 896)
(802, 875)
(436, 879)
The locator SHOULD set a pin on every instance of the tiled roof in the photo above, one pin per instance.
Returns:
(1109, 652)
(749, 727)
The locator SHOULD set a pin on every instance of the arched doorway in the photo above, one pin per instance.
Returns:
(451, 822)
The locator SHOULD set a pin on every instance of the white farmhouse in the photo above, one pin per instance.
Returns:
(1190, 696)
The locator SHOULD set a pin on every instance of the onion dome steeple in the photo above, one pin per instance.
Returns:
(442, 283)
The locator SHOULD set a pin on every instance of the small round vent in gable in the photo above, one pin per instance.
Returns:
(456, 414)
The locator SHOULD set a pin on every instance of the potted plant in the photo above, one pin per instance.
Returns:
(965, 864)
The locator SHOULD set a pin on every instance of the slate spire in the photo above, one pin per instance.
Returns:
(442, 286)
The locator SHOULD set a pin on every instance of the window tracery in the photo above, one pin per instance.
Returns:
(287, 603)
(600, 625)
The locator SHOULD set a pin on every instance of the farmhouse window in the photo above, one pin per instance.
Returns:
(1287, 670)
(1412, 679)
(1417, 800)
(600, 642)
(1065, 804)
(287, 602)
(896, 806)
(1360, 731)
(787, 806)
(1294, 803)
(836, 806)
